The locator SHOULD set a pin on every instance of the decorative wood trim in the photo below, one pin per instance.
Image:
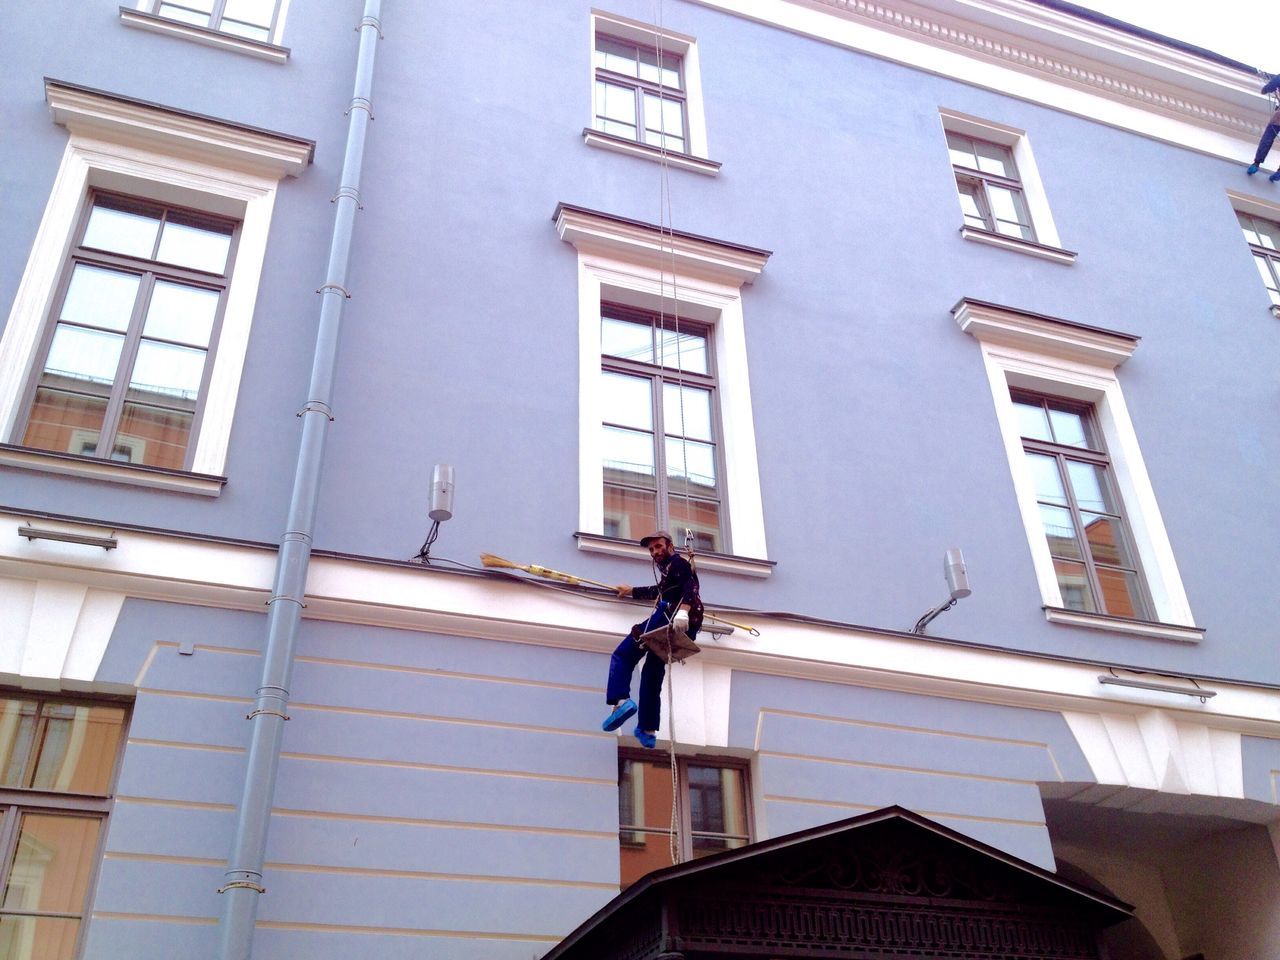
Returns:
(110, 471)
(633, 148)
(1029, 247)
(1051, 336)
(719, 562)
(127, 120)
(650, 245)
(1135, 628)
(153, 23)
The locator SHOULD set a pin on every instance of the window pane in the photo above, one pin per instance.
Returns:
(244, 30)
(100, 298)
(1246, 224)
(1060, 531)
(1009, 211)
(121, 231)
(1076, 592)
(1045, 479)
(65, 422)
(1089, 483)
(1120, 594)
(993, 158)
(1070, 428)
(166, 374)
(717, 801)
(669, 73)
(1032, 422)
(687, 411)
(51, 868)
(257, 12)
(616, 56)
(697, 461)
(1268, 233)
(153, 436)
(644, 794)
(182, 313)
(17, 734)
(686, 352)
(1106, 540)
(629, 514)
(79, 748)
(700, 516)
(961, 150)
(628, 457)
(1265, 270)
(664, 117)
(37, 938)
(627, 401)
(705, 846)
(970, 206)
(82, 359)
(616, 103)
(630, 341)
(195, 245)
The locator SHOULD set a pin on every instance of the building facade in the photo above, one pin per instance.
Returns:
(961, 274)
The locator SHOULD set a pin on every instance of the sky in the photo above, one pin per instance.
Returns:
(1245, 30)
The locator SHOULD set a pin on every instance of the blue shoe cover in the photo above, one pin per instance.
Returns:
(1275, 177)
(1253, 168)
(621, 714)
(646, 738)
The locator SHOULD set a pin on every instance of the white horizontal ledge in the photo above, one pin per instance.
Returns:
(1135, 628)
(142, 20)
(718, 562)
(1050, 336)
(111, 471)
(633, 148)
(1030, 248)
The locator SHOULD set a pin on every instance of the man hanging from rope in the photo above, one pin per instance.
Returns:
(1268, 133)
(677, 597)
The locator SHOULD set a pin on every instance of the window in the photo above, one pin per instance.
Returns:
(1087, 536)
(635, 375)
(122, 354)
(252, 19)
(1099, 548)
(1002, 199)
(646, 94)
(639, 93)
(990, 191)
(713, 810)
(659, 435)
(1263, 237)
(57, 767)
(125, 359)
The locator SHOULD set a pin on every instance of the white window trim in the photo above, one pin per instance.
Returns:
(140, 149)
(628, 262)
(1052, 356)
(686, 48)
(1256, 207)
(1047, 243)
(143, 16)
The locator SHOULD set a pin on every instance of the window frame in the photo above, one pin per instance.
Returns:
(683, 762)
(216, 15)
(658, 375)
(1096, 455)
(641, 265)
(15, 802)
(984, 181)
(640, 86)
(1047, 245)
(1032, 353)
(149, 272)
(142, 15)
(1269, 256)
(695, 157)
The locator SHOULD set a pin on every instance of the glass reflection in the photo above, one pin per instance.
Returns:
(84, 359)
(628, 456)
(78, 748)
(629, 514)
(154, 436)
(182, 313)
(630, 341)
(1105, 540)
(1045, 479)
(700, 516)
(1089, 485)
(130, 232)
(164, 372)
(627, 401)
(1077, 594)
(686, 352)
(1060, 531)
(97, 297)
(689, 407)
(993, 158)
(64, 422)
(17, 736)
(694, 462)
(1069, 428)
(1032, 423)
(194, 245)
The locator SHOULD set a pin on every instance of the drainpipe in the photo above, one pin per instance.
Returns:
(243, 880)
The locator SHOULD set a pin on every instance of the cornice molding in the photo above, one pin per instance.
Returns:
(1051, 336)
(127, 120)
(1039, 58)
(648, 244)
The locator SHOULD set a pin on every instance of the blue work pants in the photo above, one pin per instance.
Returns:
(623, 663)
(1264, 145)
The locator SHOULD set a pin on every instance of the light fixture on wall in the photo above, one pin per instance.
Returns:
(441, 507)
(957, 575)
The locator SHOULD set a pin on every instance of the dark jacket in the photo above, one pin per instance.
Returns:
(679, 584)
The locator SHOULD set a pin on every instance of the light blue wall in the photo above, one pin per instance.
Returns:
(878, 444)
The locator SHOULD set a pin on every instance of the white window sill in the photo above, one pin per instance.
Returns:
(110, 471)
(1136, 628)
(1041, 250)
(212, 38)
(719, 562)
(633, 148)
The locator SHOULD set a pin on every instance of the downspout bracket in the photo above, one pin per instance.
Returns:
(270, 713)
(245, 884)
